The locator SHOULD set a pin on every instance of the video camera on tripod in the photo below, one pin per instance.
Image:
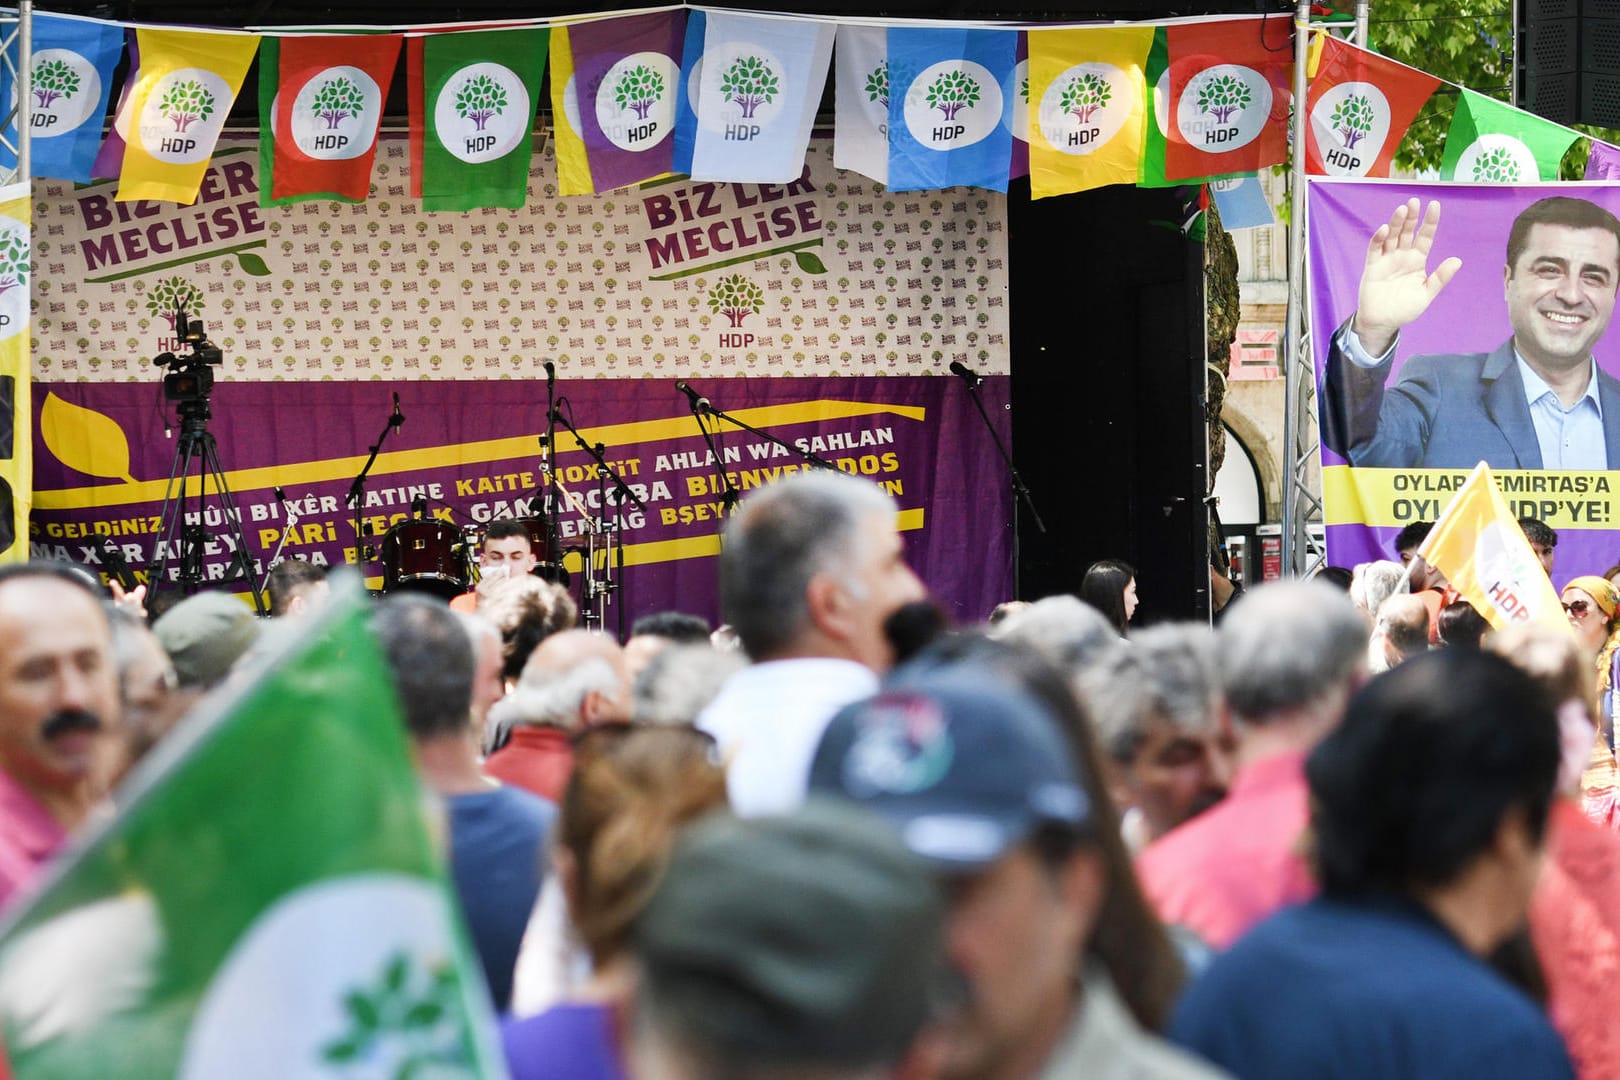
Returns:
(190, 377)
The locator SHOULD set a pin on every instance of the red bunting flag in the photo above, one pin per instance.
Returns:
(1229, 91)
(322, 97)
(1360, 105)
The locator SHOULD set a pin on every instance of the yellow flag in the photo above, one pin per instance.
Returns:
(1088, 105)
(183, 93)
(573, 169)
(16, 413)
(1478, 545)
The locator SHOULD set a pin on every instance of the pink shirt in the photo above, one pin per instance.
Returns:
(29, 836)
(1230, 867)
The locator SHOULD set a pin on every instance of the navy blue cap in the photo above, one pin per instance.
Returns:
(965, 768)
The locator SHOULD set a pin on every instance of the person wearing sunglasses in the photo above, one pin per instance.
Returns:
(1592, 604)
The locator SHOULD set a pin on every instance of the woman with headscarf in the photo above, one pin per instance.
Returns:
(1592, 605)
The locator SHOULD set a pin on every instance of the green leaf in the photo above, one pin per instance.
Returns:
(252, 264)
(363, 1009)
(398, 967)
(424, 1014)
(809, 263)
(341, 1050)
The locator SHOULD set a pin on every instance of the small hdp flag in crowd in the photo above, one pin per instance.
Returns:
(326, 94)
(183, 92)
(1603, 163)
(71, 70)
(1227, 107)
(573, 168)
(473, 98)
(267, 903)
(1242, 202)
(760, 88)
(946, 109)
(1015, 98)
(1493, 143)
(1088, 92)
(686, 98)
(861, 101)
(16, 410)
(1360, 105)
(1478, 545)
(626, 74)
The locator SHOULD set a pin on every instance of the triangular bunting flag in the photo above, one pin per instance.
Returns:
(473, 99)
(1360, 106)
(326, 94)
(1478, 545)
(946, 109)
(1088, 94)
(183, 93)
(268, 901)
(1493, 143)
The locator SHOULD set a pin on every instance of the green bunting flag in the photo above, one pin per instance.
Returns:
(1493, 143)
(267, 903)
(472, 103)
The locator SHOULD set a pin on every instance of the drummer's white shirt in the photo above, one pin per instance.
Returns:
(768, 720)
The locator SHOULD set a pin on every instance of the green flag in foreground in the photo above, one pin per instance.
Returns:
(267, 903)
(1492, 143)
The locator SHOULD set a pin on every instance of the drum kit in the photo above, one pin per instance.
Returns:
(425, 554)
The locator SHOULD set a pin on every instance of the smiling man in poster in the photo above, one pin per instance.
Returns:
(1536, 401)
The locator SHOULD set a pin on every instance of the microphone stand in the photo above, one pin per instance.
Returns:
(814, 459)
(1020, 489)
(729, 495)
(357, 495)
(553, 537)
(605, 473)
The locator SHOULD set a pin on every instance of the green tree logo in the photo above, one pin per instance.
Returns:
(54, 79)
(1084, 95)
(170, 296)
(14, 259)
(1023, 89)
(411, 1019)
(736, 298)
(877, 84)
(1352, 118)
(639, 90)
(952, 92)
(750, 82)
(187, 102)
(337, 100)
(480, 100)
(1497, 166)
(1222, 96)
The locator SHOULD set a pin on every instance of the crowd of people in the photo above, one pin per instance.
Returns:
(1347, 832)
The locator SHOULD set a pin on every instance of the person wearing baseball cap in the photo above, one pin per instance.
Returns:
(802, 945)
(977, 776)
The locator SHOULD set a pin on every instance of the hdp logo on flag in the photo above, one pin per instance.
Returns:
(1351, 123)
(482, 112)
(635, 105)
(953, 104)
(1087, 106)
(1361, 104)
(946, 110)
(751, 87)
(1224, 107)
(71, 70)
(760, 85)
(334, 116)
(1493, 143)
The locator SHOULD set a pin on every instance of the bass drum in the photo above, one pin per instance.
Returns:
(424, 556)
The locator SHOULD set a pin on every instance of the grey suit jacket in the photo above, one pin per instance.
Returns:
(1447, 411)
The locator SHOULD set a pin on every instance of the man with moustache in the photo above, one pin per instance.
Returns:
(58, 708)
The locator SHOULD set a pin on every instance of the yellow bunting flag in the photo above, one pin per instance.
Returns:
(1478, 545)
(183, 94)
(16, 413)
(1087, 101)
(573, 169)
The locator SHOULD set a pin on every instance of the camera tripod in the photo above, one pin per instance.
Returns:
(197, 445)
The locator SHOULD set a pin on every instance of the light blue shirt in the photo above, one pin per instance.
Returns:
(1571, 437)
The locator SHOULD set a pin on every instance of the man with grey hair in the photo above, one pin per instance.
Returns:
(1066, 630)
(572, 681)
(1290, 657)
(1155, 704)
(679, 681)
(1371, 583)
(810, 567)
(1400, 632)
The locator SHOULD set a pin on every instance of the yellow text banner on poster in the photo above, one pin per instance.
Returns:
(1396, 497)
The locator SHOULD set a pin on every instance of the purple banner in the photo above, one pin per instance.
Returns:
(470, 449)
(625, 76)
(1497, 367)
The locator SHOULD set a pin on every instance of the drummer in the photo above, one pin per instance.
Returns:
(507, 552)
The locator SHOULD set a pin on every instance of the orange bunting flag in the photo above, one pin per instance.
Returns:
(1360, 105)
(1229, 87)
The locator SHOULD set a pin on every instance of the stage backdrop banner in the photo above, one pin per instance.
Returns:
(1453, 395)
(828, 275)
(103, 456)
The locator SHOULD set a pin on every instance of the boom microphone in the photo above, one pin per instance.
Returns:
(398, 419)
(699, 403)
(964, 373)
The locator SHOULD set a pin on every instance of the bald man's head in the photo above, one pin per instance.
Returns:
(575, 671)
